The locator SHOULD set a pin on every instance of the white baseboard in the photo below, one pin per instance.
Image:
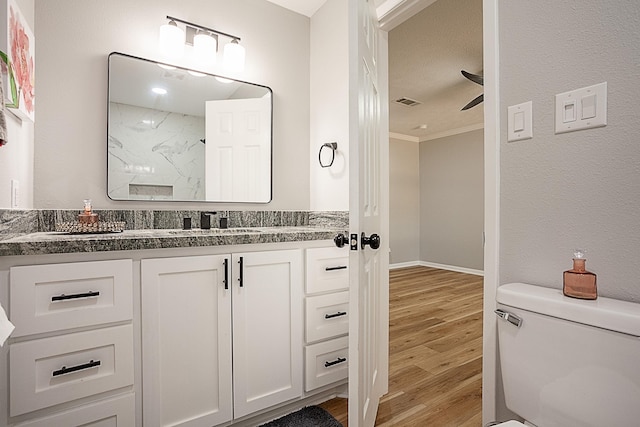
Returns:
(404, 264)
(436, 265)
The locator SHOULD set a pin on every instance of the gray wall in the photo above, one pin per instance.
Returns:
(73, 39)
(404, 201)
(579, 189)
(452, 200)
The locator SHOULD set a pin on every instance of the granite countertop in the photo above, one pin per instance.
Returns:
(57, 243)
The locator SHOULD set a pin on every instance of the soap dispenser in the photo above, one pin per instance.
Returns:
(87, 216)
(578, 282)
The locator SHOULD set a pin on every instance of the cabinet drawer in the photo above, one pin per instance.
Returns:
(49, 371)
(327, 269)
(326, 362)
(327, 316)
(53, 297)
(117, 412)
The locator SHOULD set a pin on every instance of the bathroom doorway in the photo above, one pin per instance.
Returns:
(437, 183)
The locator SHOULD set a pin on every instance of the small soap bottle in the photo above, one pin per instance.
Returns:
(578, 282)
(87, 217)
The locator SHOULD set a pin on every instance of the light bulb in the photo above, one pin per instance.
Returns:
(234, 57)
(171, 40)
(205, 48)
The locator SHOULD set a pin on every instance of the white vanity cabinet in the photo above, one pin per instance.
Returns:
(72, 345)
(326, 316)
(221, 336)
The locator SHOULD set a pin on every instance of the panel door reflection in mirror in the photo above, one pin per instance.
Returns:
(174, 134)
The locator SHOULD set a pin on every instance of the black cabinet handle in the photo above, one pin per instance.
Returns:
(64, 370)
(340, 267)
(63, 297)
(335, 362)
(226, 273)
(338, 314)
(241, 278)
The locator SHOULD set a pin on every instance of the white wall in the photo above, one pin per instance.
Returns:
(16, 158)
(452, 200)
(329, 106)
(404, 201)
(74, 38)
(579, 189)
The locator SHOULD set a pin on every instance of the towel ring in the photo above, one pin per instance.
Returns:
(334, 147)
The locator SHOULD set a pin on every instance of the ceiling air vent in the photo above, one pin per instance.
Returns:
(408, 102)
(168, 74)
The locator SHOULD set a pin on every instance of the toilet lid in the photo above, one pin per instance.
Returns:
(511, 423)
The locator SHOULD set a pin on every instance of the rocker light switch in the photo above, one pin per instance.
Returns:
(518, 121)
(520, 124)
(588, 107)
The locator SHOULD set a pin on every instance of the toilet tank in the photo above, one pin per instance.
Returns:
(569, 362)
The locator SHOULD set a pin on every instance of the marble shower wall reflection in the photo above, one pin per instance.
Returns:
(155, 155)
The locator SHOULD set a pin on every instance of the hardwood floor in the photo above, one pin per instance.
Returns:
(435, 351)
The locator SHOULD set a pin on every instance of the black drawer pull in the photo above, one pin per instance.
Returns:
(338, 314)
(64, 370)
(63, 297)
(335, 362)
(340, 267)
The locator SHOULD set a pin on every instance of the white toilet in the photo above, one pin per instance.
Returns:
(567, 362)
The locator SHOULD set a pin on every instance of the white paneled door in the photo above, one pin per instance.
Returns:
(368, 217)
(238, 150)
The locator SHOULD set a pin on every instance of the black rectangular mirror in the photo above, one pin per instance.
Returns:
(176, 134)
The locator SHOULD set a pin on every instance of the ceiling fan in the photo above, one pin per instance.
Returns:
(476, 79)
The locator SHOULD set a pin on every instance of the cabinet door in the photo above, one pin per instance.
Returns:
(267, 329)
(186, 342)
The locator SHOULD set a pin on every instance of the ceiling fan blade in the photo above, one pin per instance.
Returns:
(473, 77)
(473, 103)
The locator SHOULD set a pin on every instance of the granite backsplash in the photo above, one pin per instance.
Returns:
(44, 220)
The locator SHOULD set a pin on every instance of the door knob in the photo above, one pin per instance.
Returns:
(373, 241)
(340, 240)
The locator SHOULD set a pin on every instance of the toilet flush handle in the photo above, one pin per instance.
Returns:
(509, 317)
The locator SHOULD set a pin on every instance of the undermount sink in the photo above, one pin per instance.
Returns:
(237, 230)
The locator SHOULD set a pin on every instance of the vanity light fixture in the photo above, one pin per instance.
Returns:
(205, 42)
(159, 91)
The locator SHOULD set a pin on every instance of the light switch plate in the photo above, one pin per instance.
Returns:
(520, 124)
(15, 193)
(590, 105)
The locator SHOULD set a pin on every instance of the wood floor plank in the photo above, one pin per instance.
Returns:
(435, 351)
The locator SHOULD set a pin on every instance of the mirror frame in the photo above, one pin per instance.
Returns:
(186, 70)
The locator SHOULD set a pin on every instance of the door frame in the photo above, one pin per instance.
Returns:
(392, 13)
